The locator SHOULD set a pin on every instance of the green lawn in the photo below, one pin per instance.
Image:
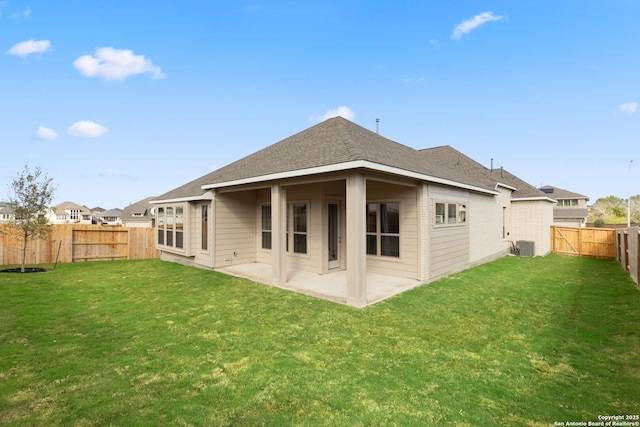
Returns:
(519, 341)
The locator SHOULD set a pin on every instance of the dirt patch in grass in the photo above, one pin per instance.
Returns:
(26, 270)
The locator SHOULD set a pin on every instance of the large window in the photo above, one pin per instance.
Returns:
(170, 225)
(568, 202)
(297, 227)
(383, 229)
(450, 213)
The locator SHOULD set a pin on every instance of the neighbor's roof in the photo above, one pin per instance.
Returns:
(559, 194)
(112, 213)
(337, 142)
(567, 213)
(63, 207)
(139, 207)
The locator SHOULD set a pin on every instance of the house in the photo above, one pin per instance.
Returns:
(139, 214)
(6, 212)
(69, 213)
(112, 217)
(338, 200)
(571, 208)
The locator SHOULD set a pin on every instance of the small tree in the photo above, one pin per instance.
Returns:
(30, 194)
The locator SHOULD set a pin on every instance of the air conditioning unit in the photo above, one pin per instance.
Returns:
(526, 248)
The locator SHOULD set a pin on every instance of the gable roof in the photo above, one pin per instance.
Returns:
(339, 144)
(140, 207)
(559, 193)
(62, 208)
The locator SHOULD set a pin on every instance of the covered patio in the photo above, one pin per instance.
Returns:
(331, 286)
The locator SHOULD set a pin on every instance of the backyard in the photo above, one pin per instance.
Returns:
(519, 341)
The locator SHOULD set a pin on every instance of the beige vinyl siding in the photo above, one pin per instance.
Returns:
(407, 264)
(235, 227)
(485, 218)
(532, 221)
(449, 245)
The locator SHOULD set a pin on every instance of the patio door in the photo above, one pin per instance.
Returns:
(333, 233)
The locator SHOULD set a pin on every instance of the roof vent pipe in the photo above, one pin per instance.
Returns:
(501, 170)
(492, 164)
(377, 123)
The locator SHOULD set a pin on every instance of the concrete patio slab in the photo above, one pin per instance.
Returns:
(331, 286)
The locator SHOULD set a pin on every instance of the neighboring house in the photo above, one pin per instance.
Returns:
(571, 208)
(69, 213)
(95, 215)
(112, 217)
(139, 214)
(338, 197)
(6, 212)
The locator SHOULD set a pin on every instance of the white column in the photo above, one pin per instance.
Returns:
(278, 233)
(356, 240)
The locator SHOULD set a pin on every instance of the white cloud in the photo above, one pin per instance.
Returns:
(410, 81)
(24, 14)
(45, 133)
(116, 64)
(629, 107)
(87, 128)
(342, 111)
(23, 49)
(473, 23)
(118, 174)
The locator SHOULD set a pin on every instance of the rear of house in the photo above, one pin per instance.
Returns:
(337, 197)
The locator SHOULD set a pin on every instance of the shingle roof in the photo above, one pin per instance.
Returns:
(61, 208)
(570, 213)
(558, 193)
(337, 141)
(139, 207)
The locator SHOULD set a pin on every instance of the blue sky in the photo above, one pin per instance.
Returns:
(119, 100)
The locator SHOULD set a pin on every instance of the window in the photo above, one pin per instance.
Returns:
(568, 202)
(74, 214)
(266, 226)
(170, 225)
(296, 227)
(205, 228)
(450, 213)
(383, 229)
(160, 226)
(299, 227)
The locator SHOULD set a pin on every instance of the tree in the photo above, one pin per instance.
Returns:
(613, 210)
(30, 194)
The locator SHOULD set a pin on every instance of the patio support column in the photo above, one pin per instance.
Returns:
(278, 233)
(356, 240)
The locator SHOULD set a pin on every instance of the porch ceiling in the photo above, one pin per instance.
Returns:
(331, 286)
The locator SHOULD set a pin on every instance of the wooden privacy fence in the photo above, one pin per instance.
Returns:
(584, 241)
(76, 243)
(628, 251)
(620, 244)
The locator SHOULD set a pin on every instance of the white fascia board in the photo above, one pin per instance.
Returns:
(209, 195)
(501, 184)
(531, 199)
(356, 164)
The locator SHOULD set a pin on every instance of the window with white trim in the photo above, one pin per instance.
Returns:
(383, 229)
(170, 226)
(298, 223)
(450, 213)
(265, 226)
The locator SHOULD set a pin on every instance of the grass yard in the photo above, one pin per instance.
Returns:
(519, 341)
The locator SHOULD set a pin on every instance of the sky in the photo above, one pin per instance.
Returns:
(120, 100)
